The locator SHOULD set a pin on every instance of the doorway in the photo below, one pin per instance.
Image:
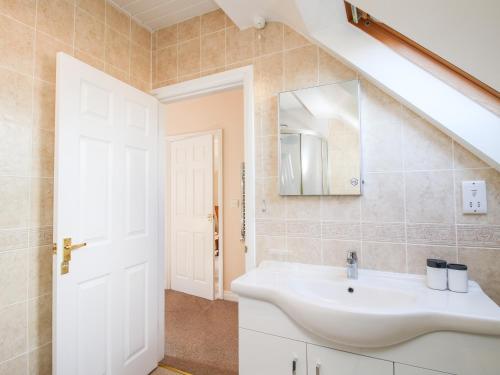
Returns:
(205, 249)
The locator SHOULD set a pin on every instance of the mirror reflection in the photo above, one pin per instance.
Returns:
(319, 140)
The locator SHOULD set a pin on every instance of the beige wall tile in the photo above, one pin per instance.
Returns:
(40, 361)
(213, 50)
(21, 10)
(117, 19)
(478, 235)
(483, 265)
(377, 106)
(189, 57)
(464, 159)
(301, 67)
(140, 35)
(56, 18)
(13, 327)
(44, 105)
(269, 77)
(15, 149)
(141, 85)
(293, 39)
(117, 50)
(267, 116)
(122, 75)
(492, 180)
(382, 146)
(213, 21)
(338, 230)
(418, 255)
(335, 252)
(40, 271)
(425, 147)
(389, 257)
(94, 7)
(13, 276)
(39, 321)
(40, 236)
(270, 227)
(167, 64)
(16, 46)
(383, 197)
(89, 35)
(269, 157)
(239, 44)
(271, 248)
(304, 250)
(340, 208)
(89, 59)
(14, 200)
(269, 204)
(41, 201)
(167, 36)
(43, 153)
(16, 366)
(269, 39)
(435, 234)
(429, 197)
(12, 239)
(306, 207)
(383, 232)
(303, 228)
(333, 70)
(140, 63)
(189, 29)
(15, 97)
(45, 56)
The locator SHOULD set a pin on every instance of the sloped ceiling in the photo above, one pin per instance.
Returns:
(324, 21)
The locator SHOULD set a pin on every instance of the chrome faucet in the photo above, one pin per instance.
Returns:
(352, 265)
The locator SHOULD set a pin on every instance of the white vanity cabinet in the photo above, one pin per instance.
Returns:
(325, 361)
(261, 354)
(400, 369)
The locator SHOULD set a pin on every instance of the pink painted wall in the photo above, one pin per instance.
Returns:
(224, 111)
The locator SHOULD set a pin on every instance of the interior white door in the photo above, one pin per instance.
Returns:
(105, 311)
(192, 232)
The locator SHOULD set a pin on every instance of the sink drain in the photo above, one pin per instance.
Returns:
(350, 290)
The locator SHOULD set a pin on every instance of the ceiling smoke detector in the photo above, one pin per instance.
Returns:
(259, 22)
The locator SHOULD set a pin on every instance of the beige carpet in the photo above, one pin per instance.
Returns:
(201, 336)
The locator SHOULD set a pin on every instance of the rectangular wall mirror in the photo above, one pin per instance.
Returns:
(319, 140)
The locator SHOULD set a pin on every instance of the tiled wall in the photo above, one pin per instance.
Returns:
(411, 205)
(31, 32)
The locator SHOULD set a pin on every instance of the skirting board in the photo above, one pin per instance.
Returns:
(230, 296)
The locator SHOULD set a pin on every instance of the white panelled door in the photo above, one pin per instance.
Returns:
(105, 311)
(192, 233)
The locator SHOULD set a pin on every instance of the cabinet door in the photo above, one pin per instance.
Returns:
(325, 361)
(262, 354)
(401, 369)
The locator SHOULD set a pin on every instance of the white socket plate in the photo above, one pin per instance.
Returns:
(474, 197)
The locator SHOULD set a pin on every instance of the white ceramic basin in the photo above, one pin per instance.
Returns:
(379, 309)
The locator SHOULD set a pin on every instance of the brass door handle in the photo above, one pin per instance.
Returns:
(68, 247)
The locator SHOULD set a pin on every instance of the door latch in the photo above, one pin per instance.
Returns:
(68, 247)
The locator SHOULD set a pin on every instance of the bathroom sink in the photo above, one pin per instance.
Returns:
(376, 310)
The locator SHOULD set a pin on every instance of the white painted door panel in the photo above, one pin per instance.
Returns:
(105, 312)
(261, 354)
(325, 361)
(191, 182)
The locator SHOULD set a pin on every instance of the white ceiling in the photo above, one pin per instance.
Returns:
(156, 14)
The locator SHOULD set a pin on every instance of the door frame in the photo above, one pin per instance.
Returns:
(216, 134)
(239, 77)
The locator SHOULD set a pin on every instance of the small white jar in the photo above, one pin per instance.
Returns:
(458, 279)
(437, 275)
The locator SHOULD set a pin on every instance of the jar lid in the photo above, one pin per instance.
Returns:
(454, 266)
(436, 263)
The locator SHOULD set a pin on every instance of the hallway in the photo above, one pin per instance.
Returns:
(201, 335)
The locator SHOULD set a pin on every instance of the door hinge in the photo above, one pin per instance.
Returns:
(54, 248)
